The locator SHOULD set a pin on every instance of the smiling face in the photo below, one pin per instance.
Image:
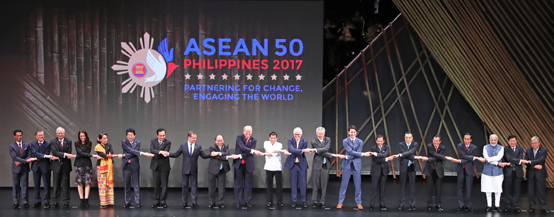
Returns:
(218, 140)
(60, 134)
(273, 139)
(408, 138)
(161, 135)
(192, 139)
(493, 140)
(247, 131)
(352, 133)
(467, 140)
(512, 142)
(104, 139)
(436, 141)
(297, 134)
(40, 136)
(82, 137)
(535, 143)
(130, 136)
(380, 141)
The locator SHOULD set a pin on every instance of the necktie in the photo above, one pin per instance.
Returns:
(298, 141)
(190, 153)
(436, 151)
(324, 159)
(130, 144)
(467, 147)
(40, 144)
(534, 153)
(61, 143)
(220, 165)
(409, 161)
(514, 148)
(20, 149)
(246, 145)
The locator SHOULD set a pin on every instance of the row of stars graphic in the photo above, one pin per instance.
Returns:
(261, 77)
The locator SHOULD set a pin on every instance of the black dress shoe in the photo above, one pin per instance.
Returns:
(439, 208)
(469, 209)
(460, 209)
(400, 207)
(545, 211)
(46, 206)
(211, 205)
(66, 205)
(495, 209)
(517, 210)
(429, 207)
(248, 204)
(155, 205)
(269, 204)
(489, 209)
(127, 205)
(370, 208)
(383, 208)
(16, 206)
(305, 204)
(55, 205)
(237, 205)
(507, 209)
(293, 205)
(26, 206)
(184, 206)
(532, 210)
(314, 205)
(412, 208)
(164, 205)
(280, 204)
(194, 206)
(138, 205)
(36, 205)
(222, 206)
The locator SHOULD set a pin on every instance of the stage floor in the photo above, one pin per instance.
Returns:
(259, 209)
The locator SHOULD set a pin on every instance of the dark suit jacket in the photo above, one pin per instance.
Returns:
(109, 150)
(190, 163)
(22, 158)
(321, 153)
(217, 161)
(131, 152)
(57, 151)
(466, 158)
(83, 156)
(297, 153)
(244, 151)
(540, 159)
(41, 162)
(353, 151)
(435, 160)
(379, 165)
(159, 162)
(407, 155)
(513, 158)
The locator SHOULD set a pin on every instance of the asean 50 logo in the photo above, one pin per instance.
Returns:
(146, 67)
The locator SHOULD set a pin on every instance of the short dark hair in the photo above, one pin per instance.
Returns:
(17, 131)
(36, 131)
(219, 135)
(159, 130)
(511, 137)
(273, 134)
(191, 133)
(468, 134)
(352, 127)
(379, 136)
(408, 133)
(438, 136)
(130, 130)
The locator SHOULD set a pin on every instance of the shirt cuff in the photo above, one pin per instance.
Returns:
(219, 153)
(240, 156)
(386, 159)
(346, 156)
(519, 162)
(252, 151)
(400, 155)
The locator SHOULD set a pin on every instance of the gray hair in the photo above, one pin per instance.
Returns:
(535, 137)
(493, 135)
(319, 129)
(60, 128)
(297, 129)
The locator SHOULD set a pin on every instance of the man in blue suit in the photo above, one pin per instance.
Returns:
(21, 157)
(352, 165)
(464, 169)
(41, 168)
(131, 166)
(244, 166)
(298, 166)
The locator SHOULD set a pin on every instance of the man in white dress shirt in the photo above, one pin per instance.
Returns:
(273, 168)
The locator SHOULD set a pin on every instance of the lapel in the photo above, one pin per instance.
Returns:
(187, 148)
(245, 143)
(16, 148)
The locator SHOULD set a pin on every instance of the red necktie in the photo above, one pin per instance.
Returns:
(61, 145)
(246, 145)
(20, 150)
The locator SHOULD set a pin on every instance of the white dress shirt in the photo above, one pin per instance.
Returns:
(273, 162)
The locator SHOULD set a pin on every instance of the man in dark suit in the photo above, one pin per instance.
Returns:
(160, 167)
(465, 172)
(407, 155)
(244, 167)
(298, 166)
(320, 167)
(379, 171)
(218, 167)
(535, 157)
(61, 148)
(513, 174)
(191, 151)
(434, 171)
(21, 157)
(131, 166)
(41, 168)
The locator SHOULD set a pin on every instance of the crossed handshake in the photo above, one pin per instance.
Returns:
(284, 151)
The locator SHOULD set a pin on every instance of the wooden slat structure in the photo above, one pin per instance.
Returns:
(499, 55)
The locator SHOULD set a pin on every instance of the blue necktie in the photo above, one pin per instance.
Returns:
(534, 153)
(324, 159)
(220, 165)
(409, 161)
(190, 152)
